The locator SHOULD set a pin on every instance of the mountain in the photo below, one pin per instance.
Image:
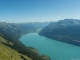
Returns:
(67, 30)
(10, 34)
(31, 26)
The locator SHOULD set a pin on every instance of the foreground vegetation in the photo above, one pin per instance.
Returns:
(7, 53)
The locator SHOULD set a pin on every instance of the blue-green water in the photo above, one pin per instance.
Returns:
(54, 49)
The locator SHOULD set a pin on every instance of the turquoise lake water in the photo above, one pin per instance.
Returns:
(54, 49)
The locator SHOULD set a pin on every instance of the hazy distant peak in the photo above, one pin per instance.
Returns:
(68, 22)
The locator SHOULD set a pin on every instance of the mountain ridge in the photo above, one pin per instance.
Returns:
(67, 30)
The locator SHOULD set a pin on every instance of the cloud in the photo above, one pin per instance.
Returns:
(3, 20)
(59, 17)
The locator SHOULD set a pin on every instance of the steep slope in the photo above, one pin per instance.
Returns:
(67, 30)
(12, 32)
(7, 53)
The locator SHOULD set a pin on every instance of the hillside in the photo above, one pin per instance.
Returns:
(10, 42)
(67, 30)
(7, 53)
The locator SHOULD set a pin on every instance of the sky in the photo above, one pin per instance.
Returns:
(38, 10)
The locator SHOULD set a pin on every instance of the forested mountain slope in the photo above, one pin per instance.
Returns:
(10, 34)
(67, 30)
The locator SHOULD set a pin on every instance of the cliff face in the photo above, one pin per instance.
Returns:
(11, 34)
(67, 30)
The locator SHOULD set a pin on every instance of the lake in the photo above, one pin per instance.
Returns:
(54, 49)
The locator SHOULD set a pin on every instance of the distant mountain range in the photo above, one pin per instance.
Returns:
(67, 30)
(32, 26)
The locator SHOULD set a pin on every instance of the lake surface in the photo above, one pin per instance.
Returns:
(54, 49)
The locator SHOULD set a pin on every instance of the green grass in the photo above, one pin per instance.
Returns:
(6, 53)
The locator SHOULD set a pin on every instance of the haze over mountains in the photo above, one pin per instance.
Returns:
(67, 30)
